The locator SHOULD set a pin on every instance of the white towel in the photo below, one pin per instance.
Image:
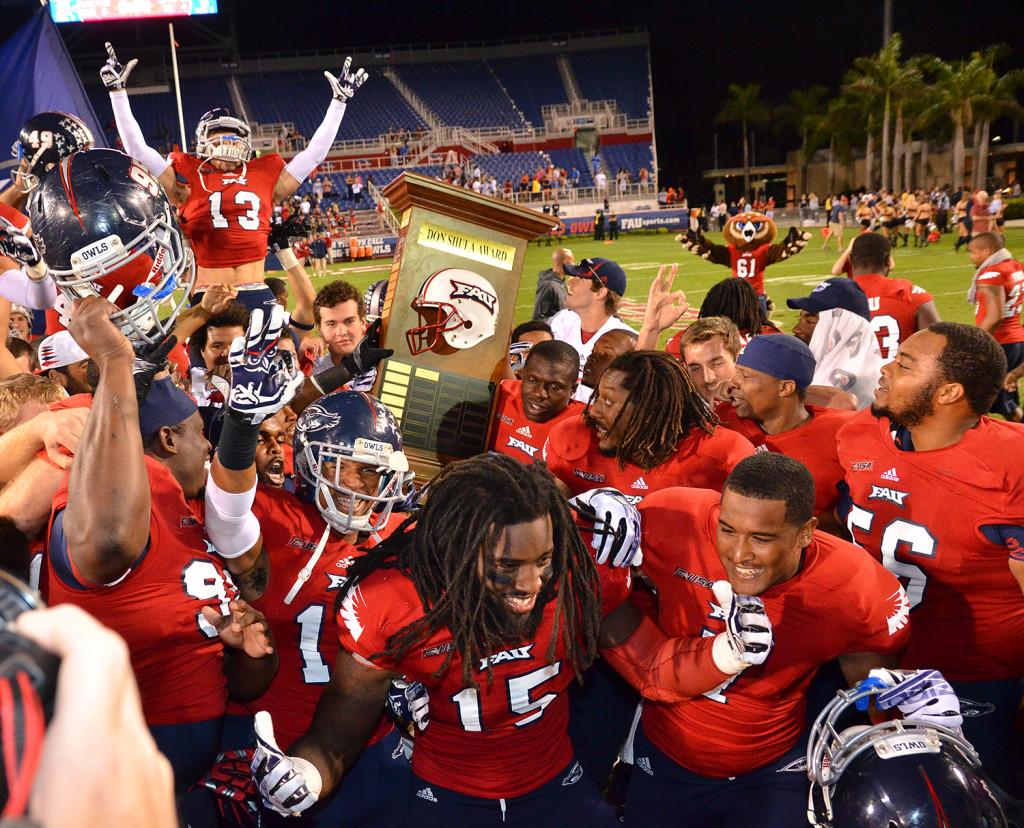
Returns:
(846, 350)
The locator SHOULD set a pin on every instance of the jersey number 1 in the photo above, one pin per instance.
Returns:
(249, 220)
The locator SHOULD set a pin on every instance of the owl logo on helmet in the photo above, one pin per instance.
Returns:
(373, 300)
(457, 308)
(104, 227)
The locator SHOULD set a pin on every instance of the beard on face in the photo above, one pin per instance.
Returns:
(914, 412)
(517, 627)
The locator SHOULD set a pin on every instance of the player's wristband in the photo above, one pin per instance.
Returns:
(287, 258)
(332, 379)
(236, 448)
(301, 326)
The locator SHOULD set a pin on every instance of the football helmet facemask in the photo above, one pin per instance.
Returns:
(350, 426)
(221, 136)
(105, 228)
(44, 140)
(457, 307)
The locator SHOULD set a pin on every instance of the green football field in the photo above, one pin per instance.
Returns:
(947, 275)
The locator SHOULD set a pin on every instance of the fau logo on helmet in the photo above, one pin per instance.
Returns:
(463, 290)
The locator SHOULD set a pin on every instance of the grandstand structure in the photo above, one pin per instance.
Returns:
(509, 108)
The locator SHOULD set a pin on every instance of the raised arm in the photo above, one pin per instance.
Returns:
(343, 87)
(115, 78)
(107, 518)
(664, 308)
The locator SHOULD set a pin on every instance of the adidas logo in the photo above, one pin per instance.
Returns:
(427, 794)
(639, 483)
(891, 475)
(645, 765)
(524, 431)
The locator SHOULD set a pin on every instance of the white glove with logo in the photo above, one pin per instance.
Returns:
(344, 86)
(263, 379)
(921, 695)
(616, 534)
(288, 784)
(112, 73)
(748, 638)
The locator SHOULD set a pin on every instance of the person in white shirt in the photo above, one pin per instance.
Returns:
(601, 181)
(595, 288)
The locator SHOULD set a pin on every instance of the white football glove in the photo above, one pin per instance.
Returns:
(344, 86)
(748, 638)
(616, 534)
(921, 695)
(288, 784)
(112, 73)
(263, 379)
(517, 354)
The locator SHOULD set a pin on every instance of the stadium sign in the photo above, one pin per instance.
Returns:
(644, 220)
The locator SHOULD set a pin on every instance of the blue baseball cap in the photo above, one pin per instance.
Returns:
(603, 271)
(781, 356)
(165, 405)
(837, 292)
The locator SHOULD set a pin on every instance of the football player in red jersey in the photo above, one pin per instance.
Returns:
(528, 408)
(645, 429)
(351, 471)
(228, 198)
(125, 545)
(936, 492)
(998, 289)
(489, 597)
(898, 307)
(769, 395)
(758, 601)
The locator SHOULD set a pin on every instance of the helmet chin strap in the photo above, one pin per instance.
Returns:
(307, 570)
(199, 170)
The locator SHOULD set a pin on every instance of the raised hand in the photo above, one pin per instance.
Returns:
(16, 245)
(150, 360)
(345, 84)
(91, 328)
(616, 532)
(665, 307)
(112, 73)
(243, 628)
(263, 379)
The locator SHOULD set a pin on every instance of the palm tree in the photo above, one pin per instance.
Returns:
(956, 85)
(879, 75)
(920, 113)
(996, 96)
(744, 106)
(803, 114)
(841, 127)
(908, 85)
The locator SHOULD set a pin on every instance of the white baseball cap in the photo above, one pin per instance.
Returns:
(59, 350)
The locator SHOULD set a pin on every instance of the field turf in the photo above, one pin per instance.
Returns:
(947, 275)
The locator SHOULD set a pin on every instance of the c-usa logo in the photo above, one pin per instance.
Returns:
(316, 417)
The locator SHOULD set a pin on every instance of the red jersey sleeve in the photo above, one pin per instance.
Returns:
(374, 611)
(918, 296)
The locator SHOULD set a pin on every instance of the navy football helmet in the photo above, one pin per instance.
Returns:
(898, 774)
(222, 136)
(45, 139)
(350, 425)
(105, 228)
(373, 300)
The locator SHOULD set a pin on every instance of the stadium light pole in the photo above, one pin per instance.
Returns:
(177, 87)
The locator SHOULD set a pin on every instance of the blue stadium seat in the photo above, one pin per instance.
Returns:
(619, 74)
(573, 157)
(462, 94)
(532, 82)
(627, 156)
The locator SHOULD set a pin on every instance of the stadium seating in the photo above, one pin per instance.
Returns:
(627, 156)
(302, 98)
(620, 75)
(569, 158)
(532, 83)
(510, 165)
(462, 94)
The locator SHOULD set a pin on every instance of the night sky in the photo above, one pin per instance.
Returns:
(697, 49)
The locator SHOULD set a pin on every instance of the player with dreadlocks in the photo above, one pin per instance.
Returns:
(646, 428)
(489, 597)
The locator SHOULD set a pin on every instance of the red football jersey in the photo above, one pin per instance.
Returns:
(702, 461)
(1008, 275)
(304, 630)
(506, 738)
(14, 216)
(921, 513)
(813, 444)
(839, 602)
(227, 214)
(515, 434)
(176, 655)
(893, 304)
(750, 265)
